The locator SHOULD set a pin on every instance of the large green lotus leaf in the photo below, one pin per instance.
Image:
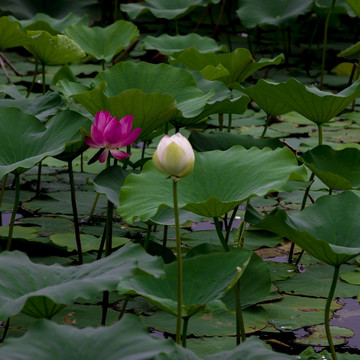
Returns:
(262, 94)
(211, 322)
(24, 140)
(165, 216)
(316, 105)
(103, 43)
(316, 281)
(220, 181)
(53, 26)
(156, 78)
(88, 343)
(255, 284)
(355, 6)
(294, 312)
(238, 64)
(251, 349)
(41, 107)
(351, 50)
(150, 111)
(338, 169)
(168, 45)
(110, 181)
(205, 279)
(217, 140)
(24, 282)
(53, 50)
(162, 8)
(11, 34)
(279, 13)
(319, 228)
(27, 9)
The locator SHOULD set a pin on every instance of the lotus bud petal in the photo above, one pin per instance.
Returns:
(174, 156)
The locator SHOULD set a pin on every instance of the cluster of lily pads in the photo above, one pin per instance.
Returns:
(94, 243)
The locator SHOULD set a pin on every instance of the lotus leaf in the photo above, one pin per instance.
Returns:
(205, 279)
(338, 169)
(25, 283)
(162, 8)
(53, 26)
(220, 181)
(280, 13)
(25, 141)
(103, 43)
(11, 34)
(53, 50)
(42, 107)
(355, 6)
(316, 105)
(229, 68)
(168, 45)
(319, 228)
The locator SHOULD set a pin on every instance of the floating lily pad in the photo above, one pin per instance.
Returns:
(294, 312)
(88, 242)
(44, 289)
(20, 232)
(168, 45)
(318, 336)
(222, 141)
(338, 169)
(351, 277)
(316, 281)
(103, 43)
(217, 323)
(220, 181)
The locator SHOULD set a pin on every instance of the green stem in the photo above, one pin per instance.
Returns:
(123, 308)
(147, 239)
(13, 214)
(33, 79)
(3, 186)
(240, 326)
(93, 207)
(165, 235)
(184, 332)
(306, 194)
(74, 209)
(109, 219)
(105, 303)
(230, 123)
(327, 311)
(232, 218)
(179, 264)
(102, 243)
(221, 122)
(220, 233)
(103, 64)
(325, 44)
(38, 184)
(266, 125)
(43, 77)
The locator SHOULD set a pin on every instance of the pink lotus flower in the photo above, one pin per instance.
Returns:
(109, 133)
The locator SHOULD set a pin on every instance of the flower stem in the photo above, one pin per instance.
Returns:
(93, 207)
(43, 77)
(123, 308)
(13, 214)
(147, 239)
(327, 311)
(75, 214)
(165, 235)
(240, 326)
(230, 123)
(33, 79)
(184, 332)
(325, 44)
(179, 265)
(3, 186)
(220, 234)
(266, 125)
